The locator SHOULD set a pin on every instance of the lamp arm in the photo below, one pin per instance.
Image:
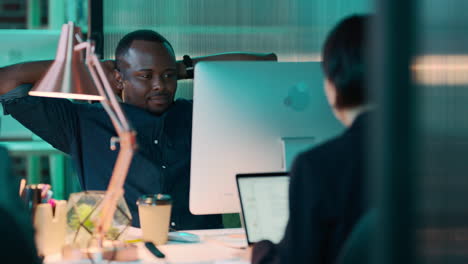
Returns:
(111, 95)
(115, 188)
(113, 117)
(127, 147)
(98, 83)
(126, 135)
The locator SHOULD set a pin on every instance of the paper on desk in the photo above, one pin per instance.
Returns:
(175, 254)
(232, 262)
(233, 241)
(192, 253)
(231, 237)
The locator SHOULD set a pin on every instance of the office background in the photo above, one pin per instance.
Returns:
(295, 31)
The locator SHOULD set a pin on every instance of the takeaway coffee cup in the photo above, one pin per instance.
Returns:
(155, 214)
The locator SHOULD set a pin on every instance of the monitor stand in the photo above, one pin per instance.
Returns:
(293, 146)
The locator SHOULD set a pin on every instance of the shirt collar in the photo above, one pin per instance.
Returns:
(354, 112)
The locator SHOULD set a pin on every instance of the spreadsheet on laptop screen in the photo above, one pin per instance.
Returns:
(265, 206)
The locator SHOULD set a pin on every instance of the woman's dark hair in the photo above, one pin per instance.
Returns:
(343, 60)
(144, 34)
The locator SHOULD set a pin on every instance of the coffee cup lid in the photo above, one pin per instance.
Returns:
(154, 199)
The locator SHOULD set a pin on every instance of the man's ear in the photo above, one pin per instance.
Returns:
(118, 86)
(119, 81)
(118, 78)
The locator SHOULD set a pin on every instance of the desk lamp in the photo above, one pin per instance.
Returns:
(68, 77)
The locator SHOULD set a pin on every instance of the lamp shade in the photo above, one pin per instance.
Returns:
(68, 76)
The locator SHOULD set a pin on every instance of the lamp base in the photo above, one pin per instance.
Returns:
(111, 250)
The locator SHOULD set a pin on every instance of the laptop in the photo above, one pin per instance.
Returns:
(264, 200)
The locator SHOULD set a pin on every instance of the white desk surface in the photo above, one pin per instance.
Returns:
(217, 246)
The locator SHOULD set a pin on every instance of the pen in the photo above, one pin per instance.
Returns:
(153, 249)
(44, 189)
(133, 241)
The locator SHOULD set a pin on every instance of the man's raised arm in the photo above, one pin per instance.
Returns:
(28, 72)
(183, 71)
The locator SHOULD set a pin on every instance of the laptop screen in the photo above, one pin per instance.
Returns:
(265, 207)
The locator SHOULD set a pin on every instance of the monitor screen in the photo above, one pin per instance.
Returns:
(252, 117)
(265, 205)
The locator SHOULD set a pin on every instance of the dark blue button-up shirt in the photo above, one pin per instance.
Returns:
(160, 165)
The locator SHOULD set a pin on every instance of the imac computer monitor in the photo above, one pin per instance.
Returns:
(252, 117)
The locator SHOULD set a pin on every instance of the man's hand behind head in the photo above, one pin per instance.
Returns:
(27, 72)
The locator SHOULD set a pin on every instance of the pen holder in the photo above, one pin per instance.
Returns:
(50, 227)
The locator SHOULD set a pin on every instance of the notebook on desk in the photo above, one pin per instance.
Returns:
(264, 199)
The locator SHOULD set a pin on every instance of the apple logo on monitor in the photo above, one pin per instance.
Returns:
(298, 97)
